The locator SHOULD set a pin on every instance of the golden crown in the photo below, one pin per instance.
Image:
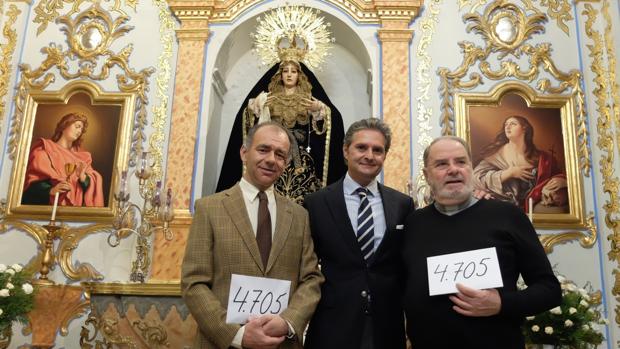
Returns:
(292, 33)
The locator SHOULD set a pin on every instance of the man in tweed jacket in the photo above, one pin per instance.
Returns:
(222, 241)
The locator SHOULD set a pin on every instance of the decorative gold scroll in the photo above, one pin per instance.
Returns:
(7, 49)
(500, 14)
(559, 10)
(48, 11)
(605, 142)
(90, 34)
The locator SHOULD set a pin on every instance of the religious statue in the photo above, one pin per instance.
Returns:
(291, 100)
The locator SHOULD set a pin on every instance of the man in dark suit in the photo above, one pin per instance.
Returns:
(232, 233)
(357, 228)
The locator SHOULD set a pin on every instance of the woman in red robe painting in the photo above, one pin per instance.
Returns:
(60, 165)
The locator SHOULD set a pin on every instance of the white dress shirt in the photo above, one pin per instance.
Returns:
(352, 201)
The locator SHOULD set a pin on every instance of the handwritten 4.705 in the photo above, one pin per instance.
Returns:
(256, 301)
(461, 270)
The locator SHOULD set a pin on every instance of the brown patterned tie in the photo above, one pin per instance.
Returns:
(263, 228)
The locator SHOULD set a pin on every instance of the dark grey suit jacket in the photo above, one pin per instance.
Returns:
(341, 313)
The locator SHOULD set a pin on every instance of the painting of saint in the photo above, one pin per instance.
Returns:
(60, 165)
(524, 158)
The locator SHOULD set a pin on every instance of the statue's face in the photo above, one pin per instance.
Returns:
(290, 75)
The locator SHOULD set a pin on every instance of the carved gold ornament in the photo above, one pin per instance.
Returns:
(108, 328)
(48, 10)
(7, 49)
(559, 10)
(607, 113)
(506, 29)
(167, 27)
(361, 11)
(99, 30)
(292, 33)
(505, 26)
(154, 334)
(418, 187)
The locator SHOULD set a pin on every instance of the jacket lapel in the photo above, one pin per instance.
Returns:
(338, 208)
(235, 206)
(284, 219)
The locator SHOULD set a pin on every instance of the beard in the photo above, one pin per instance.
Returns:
(452, 196)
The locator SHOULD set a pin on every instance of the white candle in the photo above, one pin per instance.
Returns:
(530, 211)
(55, 206)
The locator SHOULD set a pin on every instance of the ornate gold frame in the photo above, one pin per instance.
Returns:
(576, 218)
(35, 98)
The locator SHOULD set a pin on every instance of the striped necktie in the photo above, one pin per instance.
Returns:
(365, 224)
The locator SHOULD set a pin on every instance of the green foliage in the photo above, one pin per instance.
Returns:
(573, 324)
(16, 295)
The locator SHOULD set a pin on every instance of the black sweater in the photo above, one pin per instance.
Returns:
(431, 321)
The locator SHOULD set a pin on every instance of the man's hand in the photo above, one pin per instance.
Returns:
(276, 326)
(472, 302)
(481, 194)
(254, 336)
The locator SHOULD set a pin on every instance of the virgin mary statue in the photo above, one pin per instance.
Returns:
(295, 99)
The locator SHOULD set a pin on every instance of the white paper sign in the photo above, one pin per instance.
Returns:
(477, 269)
(250, 295)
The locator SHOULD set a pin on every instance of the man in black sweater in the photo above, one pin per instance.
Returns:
(458, 222)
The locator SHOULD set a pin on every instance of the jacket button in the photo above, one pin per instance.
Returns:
(364, 294)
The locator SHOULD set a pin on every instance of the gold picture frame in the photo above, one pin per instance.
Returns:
(480, 118)
(107, 140)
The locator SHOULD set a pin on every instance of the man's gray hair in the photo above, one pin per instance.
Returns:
(369, 124)
(249, 138)
(449, 138)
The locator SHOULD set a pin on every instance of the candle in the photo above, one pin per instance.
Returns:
(530, 211)
(143, 164)
(157, 198)
(55, 206)
(123, 182)
(169, 198)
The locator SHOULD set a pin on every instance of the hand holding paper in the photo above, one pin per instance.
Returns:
(472, 302)
(254, 335)
(476, 268)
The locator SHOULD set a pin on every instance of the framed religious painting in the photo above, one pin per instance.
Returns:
(524, 148)
(70, 145)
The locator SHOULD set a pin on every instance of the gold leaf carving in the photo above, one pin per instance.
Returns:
(167, 26)
(49, 10)
(7, 50)
(423, 77)
(69, 242)
(496, 47)
(131, 81)
(586, 239)
(605, 141)
(559, 10)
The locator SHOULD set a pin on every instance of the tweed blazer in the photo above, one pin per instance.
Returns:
(222, 242)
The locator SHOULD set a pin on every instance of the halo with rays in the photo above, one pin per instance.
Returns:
(296, 33)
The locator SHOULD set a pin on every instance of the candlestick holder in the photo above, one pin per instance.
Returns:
(53, 232)
(143, 221)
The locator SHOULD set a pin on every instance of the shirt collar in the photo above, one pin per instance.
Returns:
(350, 186)
(250, 192)
(454, 209)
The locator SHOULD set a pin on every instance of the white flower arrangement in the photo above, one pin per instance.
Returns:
(573, 324)
(16, 295)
